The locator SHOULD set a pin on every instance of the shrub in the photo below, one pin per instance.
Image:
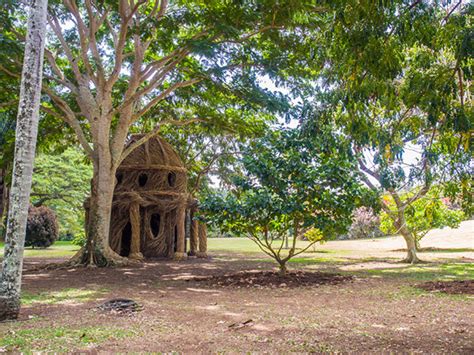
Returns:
(42, 227)
(79, 239)
(365, 224)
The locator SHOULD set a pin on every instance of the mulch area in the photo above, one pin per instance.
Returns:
(461, 287)
(269, 279)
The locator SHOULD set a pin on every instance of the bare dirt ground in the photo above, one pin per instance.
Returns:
(373, 310)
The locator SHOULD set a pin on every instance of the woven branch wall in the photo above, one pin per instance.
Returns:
(154, 178)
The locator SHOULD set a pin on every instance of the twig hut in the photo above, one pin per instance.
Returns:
(152, 212)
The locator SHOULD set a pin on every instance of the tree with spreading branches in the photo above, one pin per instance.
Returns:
(112, 64)
(289, 183)
(396, 81)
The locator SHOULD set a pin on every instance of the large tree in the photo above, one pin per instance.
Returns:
(25, 144)
(111, 64)
(397, 81)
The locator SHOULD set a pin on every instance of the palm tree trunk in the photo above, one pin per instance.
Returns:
(25, 146)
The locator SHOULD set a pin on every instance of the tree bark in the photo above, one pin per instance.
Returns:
(3, 196)
(412, 257)
(25, 146)
(2, 189)
(97, 251)
(283, 269)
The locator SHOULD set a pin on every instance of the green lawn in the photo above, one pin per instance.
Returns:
(429, 272)
(57, 250)
(66, 249)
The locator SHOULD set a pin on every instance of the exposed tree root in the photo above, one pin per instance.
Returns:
(412, 261)
(84, 258)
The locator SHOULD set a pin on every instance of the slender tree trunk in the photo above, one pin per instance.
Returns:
(25, 145)
(412, 257)
(3, 194)
(283, 269)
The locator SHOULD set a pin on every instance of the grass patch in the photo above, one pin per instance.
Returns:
(59, 249)
(60, 339)
(411, 292)
(65, 296)
(429, 272)
(245, 245)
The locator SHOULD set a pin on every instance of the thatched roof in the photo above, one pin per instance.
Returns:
(156, 153)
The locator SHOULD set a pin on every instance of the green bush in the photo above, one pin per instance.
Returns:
(79, 239)
(426, 213)
(42, 227)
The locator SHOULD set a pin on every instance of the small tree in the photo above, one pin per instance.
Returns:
(42, 227)
(286, 183)
(422, 215)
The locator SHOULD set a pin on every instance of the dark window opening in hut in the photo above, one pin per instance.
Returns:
(175, 244)
(171, 179)
(126, 240)
(142, 179)
(119, 177)
(155, 221)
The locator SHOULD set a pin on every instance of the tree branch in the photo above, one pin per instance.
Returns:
(131, 147)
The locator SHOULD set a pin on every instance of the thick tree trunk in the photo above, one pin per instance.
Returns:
(97, 251)
(25, 145)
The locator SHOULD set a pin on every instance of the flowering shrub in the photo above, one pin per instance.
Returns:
(365, 224)
(42, 227)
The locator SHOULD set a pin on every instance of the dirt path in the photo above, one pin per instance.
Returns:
(368, 314)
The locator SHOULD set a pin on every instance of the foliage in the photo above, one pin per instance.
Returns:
(396, 79)
(61, 181)
(365, 224)
(288, 182)
(206, 152)
(41, 228)
(423, 214)
(80, 239)
(111, 67)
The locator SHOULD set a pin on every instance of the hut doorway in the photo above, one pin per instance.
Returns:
(126, 240)
(155, 224)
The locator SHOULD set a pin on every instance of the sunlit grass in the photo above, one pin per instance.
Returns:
(412, 292)
(245, 245)
(429, 272)
(59, 249)
(60, 339)
(65, 296)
